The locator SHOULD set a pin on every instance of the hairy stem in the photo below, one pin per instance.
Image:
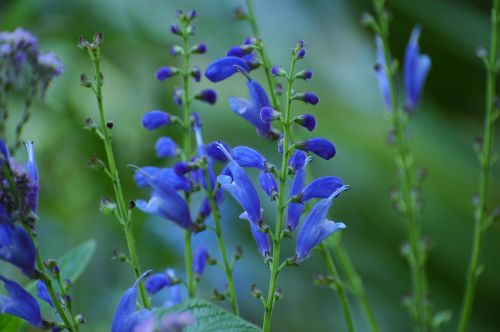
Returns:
(123, 212)
(404, 159)
(338, 286)
(484, 175)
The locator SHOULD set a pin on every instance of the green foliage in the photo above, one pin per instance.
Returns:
(211, 318)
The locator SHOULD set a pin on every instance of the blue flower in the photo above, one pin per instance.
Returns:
(248, 157)
(238, 184)
(166, 72)
(262, 240)
(166, 203)
(215, 153)
(157, 282)
(319, 146)
(127, 317)
(17, 248)
(20, 303)
(380, 67)
(155, 119)
(225, 67)
(416, 68)
(250, 109)
(307, 121)
(268, 183)
(168, 175)
(200, 260)
(297, 162)
(316, 227)
(166, 147)
(43, 293)
(208, 96)
(32, 172)
(321, 187)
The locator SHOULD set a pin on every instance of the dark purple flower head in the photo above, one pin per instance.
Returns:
(225, 67)
(307, 121)
(18, 302)
(319, 146)
(301, 53)
(305, 75)
(154, 119)
(416, 68)
(316, 227)
(166, 72)
(166, 147)
(127, 317)
(307, 97)
(199, 48)
(208, 96)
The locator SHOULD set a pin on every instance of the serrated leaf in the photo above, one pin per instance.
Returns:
(211, 318)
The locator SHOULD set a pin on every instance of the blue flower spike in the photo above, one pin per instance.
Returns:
(316, 227)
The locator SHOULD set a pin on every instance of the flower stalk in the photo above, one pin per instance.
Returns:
(481, 217)
(122, 213)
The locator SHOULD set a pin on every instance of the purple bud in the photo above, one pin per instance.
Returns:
(157, 282)
(192, 14)
(208, 96)
(267, 114)
(298, 160)
(416, 68)
(311, 98)
(196, 74)
(307, 121)
(178, 96)
(176, 50)
(166, 72)
(304, 74)
(236, 51)
(174, 28)
(280, 143)
(154, 119)
(166, 147)
(262, 240)
(181, 168)
(301, 53)
(199, 48)
(278, 71)
(319, 146)
(200, 260)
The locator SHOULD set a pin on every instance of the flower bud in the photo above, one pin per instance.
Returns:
(166, 72)
(176, 50)
(208, 96)
(306, 120)
(107, 206)
(155, 119)
(199, 48)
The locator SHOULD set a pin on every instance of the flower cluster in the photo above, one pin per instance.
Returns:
(19, 55)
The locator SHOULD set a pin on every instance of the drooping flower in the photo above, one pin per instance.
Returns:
(166, 147)
(166, 72)
(20, 303)
(127, 317)
(154, 119)
(238, 184)
(225, 67)
(208, 96)
(43, 293)
(248, 157)
(250, 109)
(307, 121)
(321, 187)
(268, 183)
(316, 227)
(380, 72)
(157, 282)
(319, 146)
(168, 175)
(18, 248)
(416, 68)
(262, 240)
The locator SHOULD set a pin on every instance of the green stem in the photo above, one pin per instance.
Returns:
(263, 54)
(24, 118)
(187, 155)
(404, 160)
(3, 110)
(338, 287)
(50, 288)
(480, 213)
(123, 212)
(275, 268)
(227, 268)
(356, 284)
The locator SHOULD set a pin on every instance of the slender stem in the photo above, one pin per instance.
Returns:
(24, 118)
(480, 213)
(227, 268)
(404, 160)
(187, 155)
(3, 109)
(338, 287)
(275, 267)
(123, 212)
(50, 288)
(356, 284)
(263, 54)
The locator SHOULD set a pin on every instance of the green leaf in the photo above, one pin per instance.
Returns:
(76, 261)
(9, 323)
(211, 318)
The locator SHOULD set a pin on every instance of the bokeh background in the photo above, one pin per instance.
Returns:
(341, 54)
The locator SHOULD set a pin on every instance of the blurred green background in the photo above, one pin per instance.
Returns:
(341, 54)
